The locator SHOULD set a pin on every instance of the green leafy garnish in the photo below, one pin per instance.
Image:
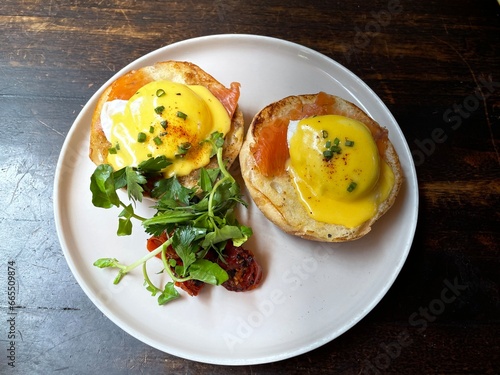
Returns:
(124, 221)
(216, 139)
(157, 140)
(154, 164)
(196, 220)
(181, 115)
(183, 148)
(349, 143)
(102, 185)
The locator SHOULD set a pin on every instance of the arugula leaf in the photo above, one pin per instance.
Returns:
(208, 272)
(222, 234)
(246, 234)
(102, 186)
(168, 217)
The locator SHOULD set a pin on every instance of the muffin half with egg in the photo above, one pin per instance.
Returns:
(319, 167)
(167, 109)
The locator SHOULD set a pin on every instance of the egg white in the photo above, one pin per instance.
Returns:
(292, 128)
(109, 109)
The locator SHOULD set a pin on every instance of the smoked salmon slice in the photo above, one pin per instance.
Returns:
(271, 150)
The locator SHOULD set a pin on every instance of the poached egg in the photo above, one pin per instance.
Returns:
(337, 170)
(164, 118)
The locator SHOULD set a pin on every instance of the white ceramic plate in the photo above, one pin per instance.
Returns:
(311, 293)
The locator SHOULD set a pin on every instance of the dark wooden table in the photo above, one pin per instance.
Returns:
(436, 65)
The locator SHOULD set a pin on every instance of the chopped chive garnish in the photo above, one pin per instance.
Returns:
(349, 143)
(162, 134)
(183, 148)
(328, 154)
(151, 129)
(336, 149)
(160, 92)
(157, 141)
(141, 137)
(164, 124)
(324, 133)
(117, 147)
(112, 150)
(159, 109)
(328, 144)
(336, 141)
(181, 115)
(351, 186)
(150, 155)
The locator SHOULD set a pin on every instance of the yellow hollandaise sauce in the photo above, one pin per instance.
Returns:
(337, 170)
(170, 119)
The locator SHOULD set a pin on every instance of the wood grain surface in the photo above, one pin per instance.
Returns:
(436, 65)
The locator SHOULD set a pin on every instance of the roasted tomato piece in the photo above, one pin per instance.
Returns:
(243, 270)
(191, 287)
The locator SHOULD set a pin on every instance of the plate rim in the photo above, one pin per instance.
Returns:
(409, 175)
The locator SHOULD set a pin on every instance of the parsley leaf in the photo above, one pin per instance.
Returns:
(154, 164)
(120, 177)
(171, 193)
(182, 242)
(134, 181)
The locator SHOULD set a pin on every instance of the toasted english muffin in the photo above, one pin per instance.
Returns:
(179, 72)
(275, 194)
